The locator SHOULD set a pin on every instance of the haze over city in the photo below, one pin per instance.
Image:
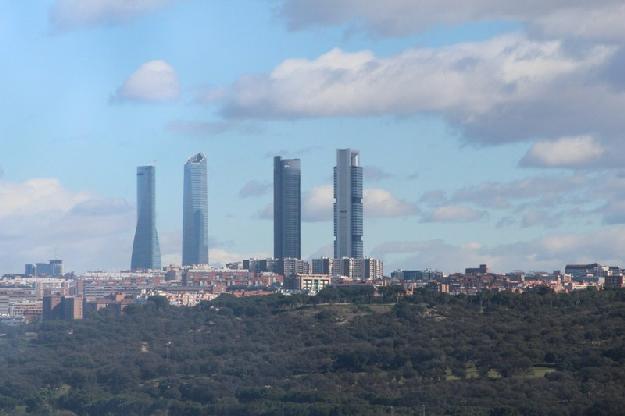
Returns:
(492, 134)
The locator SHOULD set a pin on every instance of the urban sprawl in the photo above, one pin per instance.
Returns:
(45, 291)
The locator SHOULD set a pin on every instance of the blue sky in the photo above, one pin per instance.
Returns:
(473, 123)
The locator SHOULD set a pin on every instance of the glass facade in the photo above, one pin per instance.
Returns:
(195, 212)
(287, 208)
(348, 207)
(146, 252)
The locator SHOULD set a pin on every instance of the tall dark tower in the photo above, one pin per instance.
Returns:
(287, 208)
(146, 252)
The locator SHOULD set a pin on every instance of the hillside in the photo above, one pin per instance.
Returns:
(341, 353)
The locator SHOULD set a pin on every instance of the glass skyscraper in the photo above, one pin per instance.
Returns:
(287, 208)
(348, 215)
(195, 212)
(146, 252)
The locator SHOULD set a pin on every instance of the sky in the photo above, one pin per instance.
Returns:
(490, 131)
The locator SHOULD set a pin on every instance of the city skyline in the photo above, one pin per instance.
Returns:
(479, 142)
(286, 207)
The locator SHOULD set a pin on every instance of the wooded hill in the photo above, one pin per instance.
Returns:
(343, 352)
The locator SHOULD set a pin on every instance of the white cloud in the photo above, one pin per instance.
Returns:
(377, 203)
(591, 19)
(604, 245)
(509, 88)
(36, 196)
(472, 245)
(153, 81)
(585, 197)
(317, 205)
(467, 79)
(502, 195)
(40, 219)
(454, 213)
(551, 252)
(564, 152)
(73, 14)
(381, 203)
(547, 201)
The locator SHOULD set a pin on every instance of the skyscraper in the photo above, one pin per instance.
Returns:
(287, 208)
(195, 212)
(56, 267)
(348, 216)
(146, 252)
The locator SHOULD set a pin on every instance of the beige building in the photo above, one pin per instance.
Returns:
(312, 283)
